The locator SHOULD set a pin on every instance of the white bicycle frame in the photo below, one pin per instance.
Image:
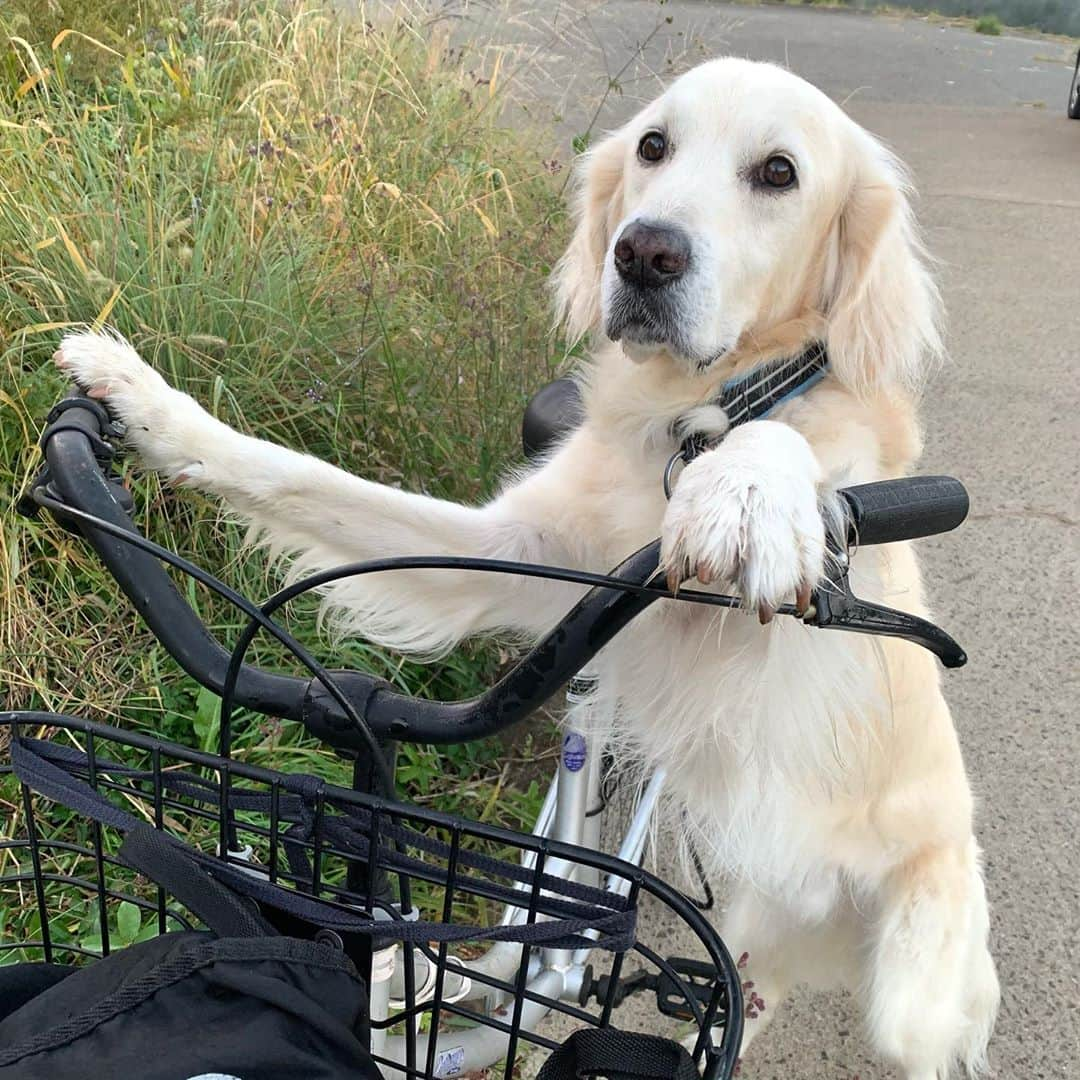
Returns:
(571, 813)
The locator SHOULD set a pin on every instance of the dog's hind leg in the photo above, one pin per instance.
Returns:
(778, 948)
(755, 933)
(932, 991)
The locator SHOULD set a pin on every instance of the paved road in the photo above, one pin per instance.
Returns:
(981, 122)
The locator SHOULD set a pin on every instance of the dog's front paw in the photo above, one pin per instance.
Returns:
(747, 513)
(157, 419)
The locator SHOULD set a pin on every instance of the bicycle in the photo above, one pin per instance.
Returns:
(364, 717)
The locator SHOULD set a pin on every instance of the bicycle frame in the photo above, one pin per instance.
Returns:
(572, 812)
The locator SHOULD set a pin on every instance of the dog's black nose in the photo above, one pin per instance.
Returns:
(651, 255)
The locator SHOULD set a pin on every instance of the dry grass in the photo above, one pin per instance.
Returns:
(319, 227)
(324, 229)
(332, 232)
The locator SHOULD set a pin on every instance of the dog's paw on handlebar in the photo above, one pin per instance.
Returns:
(155, 416)
(747, 513)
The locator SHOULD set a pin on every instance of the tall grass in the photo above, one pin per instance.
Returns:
(322, 229)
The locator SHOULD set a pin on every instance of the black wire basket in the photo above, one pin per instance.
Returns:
(478, 935)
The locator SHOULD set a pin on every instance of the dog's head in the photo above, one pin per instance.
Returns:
(741, 202)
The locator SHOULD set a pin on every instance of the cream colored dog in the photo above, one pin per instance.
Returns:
(734, 220)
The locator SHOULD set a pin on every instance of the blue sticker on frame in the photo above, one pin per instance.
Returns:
(573, 751)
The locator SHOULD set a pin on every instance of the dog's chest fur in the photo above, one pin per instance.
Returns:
(754, 725)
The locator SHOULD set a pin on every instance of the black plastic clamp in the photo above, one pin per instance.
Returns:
(104, 451)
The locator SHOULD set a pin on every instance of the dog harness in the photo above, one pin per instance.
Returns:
(754, 396)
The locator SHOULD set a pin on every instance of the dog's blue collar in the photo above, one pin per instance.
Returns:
(754, 395)
(757, 393)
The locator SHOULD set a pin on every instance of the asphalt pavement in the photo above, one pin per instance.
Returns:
(981, 121)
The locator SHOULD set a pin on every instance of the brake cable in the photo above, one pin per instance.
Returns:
(260, 616)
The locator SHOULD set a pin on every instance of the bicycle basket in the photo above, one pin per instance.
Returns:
(409, 893)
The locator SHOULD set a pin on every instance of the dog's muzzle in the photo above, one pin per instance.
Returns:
(645, 306)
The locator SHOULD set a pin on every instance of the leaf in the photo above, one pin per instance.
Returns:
(64, 34)
(72, 250)
(92, 943)
(580, 143)
(31, 81)
(45, 327)
(178, 79)
(171, 71)
(147, 932)
(207, 719)
(103, 314)
(127, 71)
(217, 394)
(489, 225)
(128, 921)
(436, 220)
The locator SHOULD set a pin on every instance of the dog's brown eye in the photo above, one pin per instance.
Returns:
(778, 172)
(653, 147)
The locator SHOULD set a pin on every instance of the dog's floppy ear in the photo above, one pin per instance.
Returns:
(882, 306)
(597, 210)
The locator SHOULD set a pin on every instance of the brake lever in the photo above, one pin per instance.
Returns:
(836, 607)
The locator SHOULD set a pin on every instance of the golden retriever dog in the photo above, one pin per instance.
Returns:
(737, 218)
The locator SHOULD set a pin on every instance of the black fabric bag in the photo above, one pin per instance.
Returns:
(238, 1001)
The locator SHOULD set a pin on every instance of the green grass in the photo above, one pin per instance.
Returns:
(988, 24)
(327, 233)
(67, 843)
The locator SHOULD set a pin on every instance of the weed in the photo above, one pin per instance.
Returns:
(327, 233)
(320, 228)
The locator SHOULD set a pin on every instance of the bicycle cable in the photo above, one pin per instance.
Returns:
(259, 617)
(708, 901)
(242, 604)
(609, 786)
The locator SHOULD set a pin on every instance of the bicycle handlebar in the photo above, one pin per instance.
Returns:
(76, 473)
(75, 454)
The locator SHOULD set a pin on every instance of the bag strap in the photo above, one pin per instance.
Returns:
(169, 864)
(44, 768)
(618, 1055)
(159, 856)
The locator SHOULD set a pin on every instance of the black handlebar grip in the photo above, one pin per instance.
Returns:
(80, 482)
(904, 509)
